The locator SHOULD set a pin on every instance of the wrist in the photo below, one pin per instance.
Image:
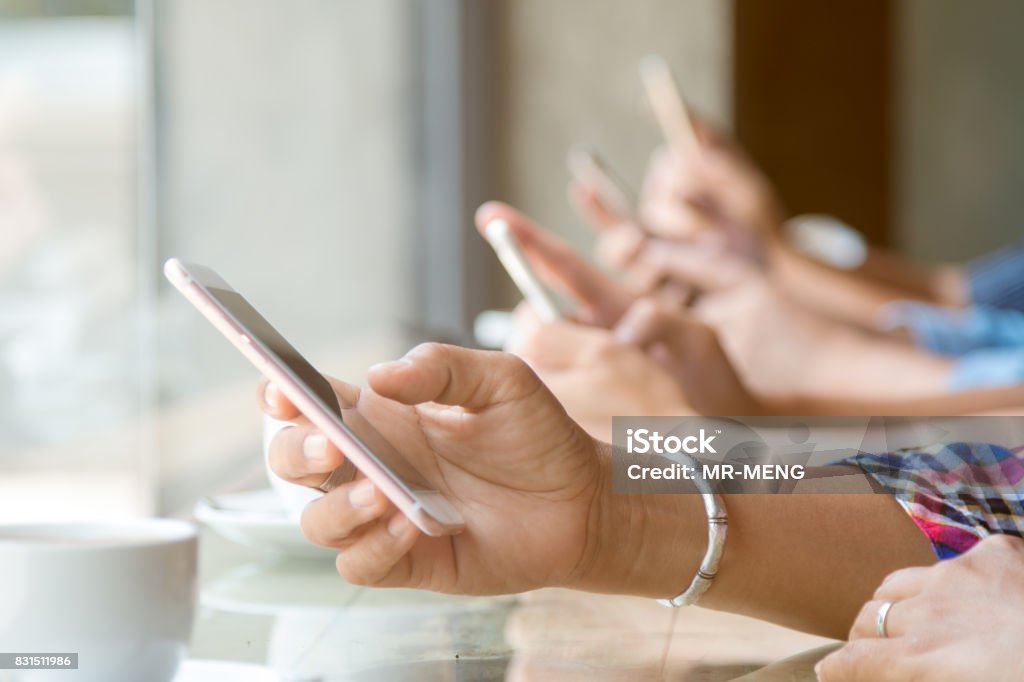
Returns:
(708, 377)
(779, 253)
(950, 286)
(644, 545)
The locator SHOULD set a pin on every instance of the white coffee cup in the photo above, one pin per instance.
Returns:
(121, 595)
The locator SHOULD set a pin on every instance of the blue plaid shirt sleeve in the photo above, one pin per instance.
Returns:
(997, 279)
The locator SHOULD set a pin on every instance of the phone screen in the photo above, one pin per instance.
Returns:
(263, 333)
(260, 329)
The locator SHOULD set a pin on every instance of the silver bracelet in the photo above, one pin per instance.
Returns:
(718, 527)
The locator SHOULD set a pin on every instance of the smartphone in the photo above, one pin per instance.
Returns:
(669, 108)
(588, 168)
(499, 235)
(364, 447)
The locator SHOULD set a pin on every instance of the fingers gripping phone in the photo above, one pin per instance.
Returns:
(588, 168)
(499, 236)
(363, 446)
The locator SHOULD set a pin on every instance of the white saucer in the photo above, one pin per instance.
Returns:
(196, 670)
(277, 586)
(257, 519)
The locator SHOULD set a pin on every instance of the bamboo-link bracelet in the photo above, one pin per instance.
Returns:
(718, 527)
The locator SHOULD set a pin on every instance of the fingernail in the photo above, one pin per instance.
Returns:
(314, 447)
(362, 495)
(271, 394)
(397, 525)
(391, 365)
(817, 669)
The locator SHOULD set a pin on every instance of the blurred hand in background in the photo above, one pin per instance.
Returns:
(776, 347)
(595, 375)
(718, 188)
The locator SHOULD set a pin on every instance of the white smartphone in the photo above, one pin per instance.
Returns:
(669, 108)
(364, 447)
(499, 236)
(588, 168)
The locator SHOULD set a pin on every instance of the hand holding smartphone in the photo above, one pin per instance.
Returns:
(363, 446)
(499, 236)
(597, 298)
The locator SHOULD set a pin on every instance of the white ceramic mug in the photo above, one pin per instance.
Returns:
(120, 595)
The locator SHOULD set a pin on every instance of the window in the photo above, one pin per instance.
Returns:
(313, 152)
(68, 322)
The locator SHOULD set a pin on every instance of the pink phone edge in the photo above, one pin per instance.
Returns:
(415, 509)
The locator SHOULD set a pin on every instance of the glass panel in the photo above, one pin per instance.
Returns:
(68, 323)
(287, 165)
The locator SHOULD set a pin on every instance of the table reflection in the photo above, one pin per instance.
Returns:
(300, 618)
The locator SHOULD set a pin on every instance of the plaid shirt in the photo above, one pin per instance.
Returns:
(988, 343)
(997, 279)
(956, 493)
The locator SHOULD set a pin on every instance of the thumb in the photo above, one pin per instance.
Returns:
(589, 205)
(618, 246)
(646, 322)
(877, 660)
(451, 375)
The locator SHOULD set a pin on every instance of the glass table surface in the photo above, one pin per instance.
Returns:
(300, 618)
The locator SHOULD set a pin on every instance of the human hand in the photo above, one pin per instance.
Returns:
(594, 375)
(704, 260)
(717, 188)
(483, 430)
(619, 236)
(690, 352)
(958, 620)
(601, 300)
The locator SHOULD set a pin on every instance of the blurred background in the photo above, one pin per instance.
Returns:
(326, 157)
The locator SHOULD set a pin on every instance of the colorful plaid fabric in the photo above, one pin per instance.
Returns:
(956, 493)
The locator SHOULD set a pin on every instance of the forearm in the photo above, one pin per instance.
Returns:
(806, 561)
(853, 364)
(1004, 401)
(842, 365)
(842, 294)
(944, 284)
(810, 561)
